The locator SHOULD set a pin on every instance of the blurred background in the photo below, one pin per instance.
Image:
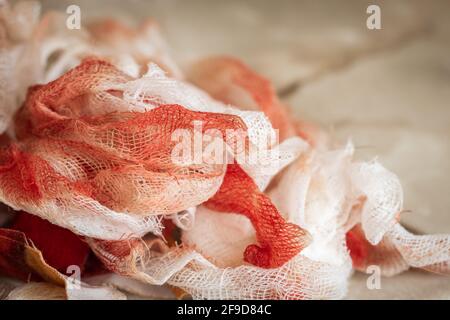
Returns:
(388, 90)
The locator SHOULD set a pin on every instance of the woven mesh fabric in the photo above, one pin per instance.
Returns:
(84, 158)
(221, 238)
(114, 163)
(223, 274)
(300, 278)
(33, 51)
(315, 193)
(384, 198)
(229, 80)
(323, 192)
(143, 43)
(278, 241)
(399, 250)
(93, 155)
(121, 256)
(315, 178)
(150, 91)
(384, 255)
(379, 239)
(430, 252)
(155, 88)
(45, 192)
(128, 48)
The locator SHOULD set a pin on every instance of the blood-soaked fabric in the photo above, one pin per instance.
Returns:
(385, 255)
(358, 247)
(74, 153)
(231, 81)
(111, 152)
(60, 247)
(121, 256)
(278, 241)
(70, 148)
(122, 160)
